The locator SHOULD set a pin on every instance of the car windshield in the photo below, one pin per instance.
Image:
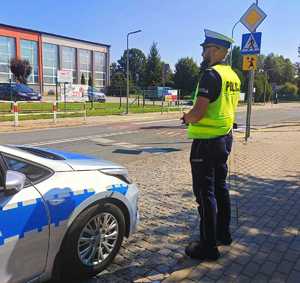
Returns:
(92, 89)
(41, 153)
(22, 88)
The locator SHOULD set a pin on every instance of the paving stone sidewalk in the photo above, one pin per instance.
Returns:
(265, 183)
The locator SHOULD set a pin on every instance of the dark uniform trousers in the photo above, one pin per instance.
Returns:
(209, 171)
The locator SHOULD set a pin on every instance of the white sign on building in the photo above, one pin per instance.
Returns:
(75, 92)
(64, 76)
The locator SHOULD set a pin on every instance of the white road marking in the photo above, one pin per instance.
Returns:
(81, 138)
(125, 144)
(153, 122)
(102, 140)
(170, 133)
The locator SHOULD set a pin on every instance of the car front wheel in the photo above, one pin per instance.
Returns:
(93, 240)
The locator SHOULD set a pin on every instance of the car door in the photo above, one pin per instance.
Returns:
(24, 224)
(6, 92)
(2, 92)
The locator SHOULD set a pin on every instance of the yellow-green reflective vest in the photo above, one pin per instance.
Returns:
(219, 117)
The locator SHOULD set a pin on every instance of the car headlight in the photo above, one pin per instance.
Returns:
(120, 173)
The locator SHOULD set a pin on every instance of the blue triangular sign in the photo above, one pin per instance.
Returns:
(251, 43)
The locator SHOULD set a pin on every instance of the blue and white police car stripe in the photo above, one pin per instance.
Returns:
(18, 219)
(122, 189)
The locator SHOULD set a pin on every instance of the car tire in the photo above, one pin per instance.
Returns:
(73, 247)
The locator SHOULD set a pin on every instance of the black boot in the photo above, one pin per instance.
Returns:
(224, 240)
(198, 251)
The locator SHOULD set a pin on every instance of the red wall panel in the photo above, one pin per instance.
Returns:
(19, 34)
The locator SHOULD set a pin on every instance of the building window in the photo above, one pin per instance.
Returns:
(7, 52)
(50, 63)
(29, 51)
(85, 64)
(100, 69)
(68, 61)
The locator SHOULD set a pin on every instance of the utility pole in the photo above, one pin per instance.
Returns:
(127, 71)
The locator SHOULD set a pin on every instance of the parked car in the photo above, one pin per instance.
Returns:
(61, 214)
(96, 95)
(187, 102)
(17, 92)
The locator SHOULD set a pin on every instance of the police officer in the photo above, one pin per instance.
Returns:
(210, 124)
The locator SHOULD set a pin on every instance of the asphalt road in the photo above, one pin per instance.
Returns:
(125, 140)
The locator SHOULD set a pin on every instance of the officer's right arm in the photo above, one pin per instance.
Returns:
(197, 112)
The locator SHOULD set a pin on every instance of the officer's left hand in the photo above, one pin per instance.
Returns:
(183, 120)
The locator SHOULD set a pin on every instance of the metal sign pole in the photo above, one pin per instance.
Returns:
(249, 104)
(251, 19)
(56, 90)
(65, 98)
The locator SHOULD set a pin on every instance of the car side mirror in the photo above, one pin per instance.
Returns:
(14, 181)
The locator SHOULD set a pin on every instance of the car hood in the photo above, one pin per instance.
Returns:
(83, 162)
(97, 93)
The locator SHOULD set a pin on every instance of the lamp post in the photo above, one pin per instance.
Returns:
(127, 72)
(231, 47)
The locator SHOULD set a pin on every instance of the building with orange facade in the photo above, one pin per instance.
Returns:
(48, 53)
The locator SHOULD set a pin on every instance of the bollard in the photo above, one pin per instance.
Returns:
(54, 110)
(16, 112)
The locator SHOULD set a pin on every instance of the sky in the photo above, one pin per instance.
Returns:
(177, 26)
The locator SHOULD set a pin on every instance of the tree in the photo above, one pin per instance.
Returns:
(297, 79)
(117, 81)
(186, 75)
(289, 89)
(82, 81)
(263, 89)
(237, 58)
(114, 68)
(137, 63)
(280, 70)
(90, 81)
(21, 69)
(243, 79)
(153, 71)
(298, 84)
(167, 75)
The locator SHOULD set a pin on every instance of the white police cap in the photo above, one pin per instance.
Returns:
(215, 38)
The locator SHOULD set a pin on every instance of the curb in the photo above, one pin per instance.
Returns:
(29, 125)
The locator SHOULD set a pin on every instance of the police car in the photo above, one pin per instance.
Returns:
(61, 214)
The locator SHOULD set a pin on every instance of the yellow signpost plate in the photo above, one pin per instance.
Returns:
(249, 62)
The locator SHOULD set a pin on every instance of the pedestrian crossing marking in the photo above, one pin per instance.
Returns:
(125, 144)
(102, 140)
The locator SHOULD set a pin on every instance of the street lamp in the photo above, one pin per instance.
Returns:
(231, 47)
(127, 75)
